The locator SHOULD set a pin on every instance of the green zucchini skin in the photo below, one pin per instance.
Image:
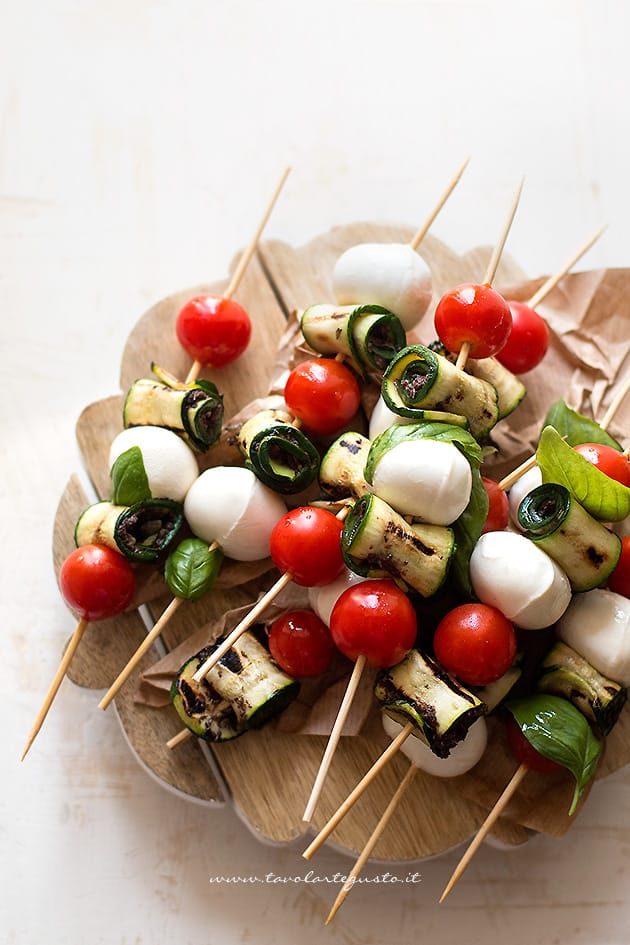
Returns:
(243, 691)
(377, 542)
(369, 336)
(420, 691)
(278, 453)
(140, 532)
(341, 468)
(418, 379)
(585, 549)
(564, 672)
(193, 411)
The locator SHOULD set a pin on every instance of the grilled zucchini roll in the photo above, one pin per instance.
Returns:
(244, 690)
(418, 379)
(140, 532)
(377, 542)
(341, 469)
(585, 549)
(368, 335)
(420, 691)
(563, 672)
(194, 411)
(510, 389)
(278, 453)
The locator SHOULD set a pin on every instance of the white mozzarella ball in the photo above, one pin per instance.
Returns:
(388, 274)
(323, 599)
(428, 479)
(229, 505)
(169, 463)
(382, 418)
(597, 625)
(510, 572)
(528, 481)
(462, 758)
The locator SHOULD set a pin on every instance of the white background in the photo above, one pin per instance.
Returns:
(139, 142)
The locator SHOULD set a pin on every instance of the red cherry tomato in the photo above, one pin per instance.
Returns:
(306, 542)
(476, 643)
(528, 341)
(301, 643)
(524, 752)
(374, 619)
(607, 459)
(498, 507)
(476, 314)
(97, 582)
(213, 330)
(619, 580)
(323, 394)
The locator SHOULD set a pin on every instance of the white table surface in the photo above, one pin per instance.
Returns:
(139, 142)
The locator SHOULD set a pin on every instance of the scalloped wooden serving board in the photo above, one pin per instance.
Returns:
(267, 775)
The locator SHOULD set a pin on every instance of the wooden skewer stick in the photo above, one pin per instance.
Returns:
(373, 839)
(615, 404)
(508, 481)
(356, 793)
(488, 823)
(179, 738)
(426, 226)
(553, 281)
(334, 737)
(239, 272)
(75, 639)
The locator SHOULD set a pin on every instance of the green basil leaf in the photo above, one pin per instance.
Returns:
(559, 731)
(467, 529)
(208, 388)
(576, 428)
(191, 569)
(129, 479)
(605, 498)
(424, 430)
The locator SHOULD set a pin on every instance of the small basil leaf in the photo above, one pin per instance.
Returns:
(467, 529)
(605, 498)
(191, 570)
(559, 731)
(576, 428)
(129, 479)
(427, 430)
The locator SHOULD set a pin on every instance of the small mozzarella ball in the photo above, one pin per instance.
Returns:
(229, 505)
(597, 625)
(510, 572)
(462, 758)
(323, 599)
(528, 481)
(428, 479)
(382, 418)
(169, 463)
(388, 274)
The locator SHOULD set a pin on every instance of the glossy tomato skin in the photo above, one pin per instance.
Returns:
(528, 341)
(476, 643)
(476, 314)
(97, 582)
(323, 393)
(524, 752)
(619, 580)
(608, 460)
(306, 542)
(301, 643)
(374, 619)
(498, 507)
(213, 330)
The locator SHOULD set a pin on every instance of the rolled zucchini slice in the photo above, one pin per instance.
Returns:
(377, 542)
(563, 672)
(341, 468)
(194, 411)
(140, 532)
(368, 335)
(585, 549)
(418, 379)
(420, 691)
(510, 389)
(278, 453)
(200, 707)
